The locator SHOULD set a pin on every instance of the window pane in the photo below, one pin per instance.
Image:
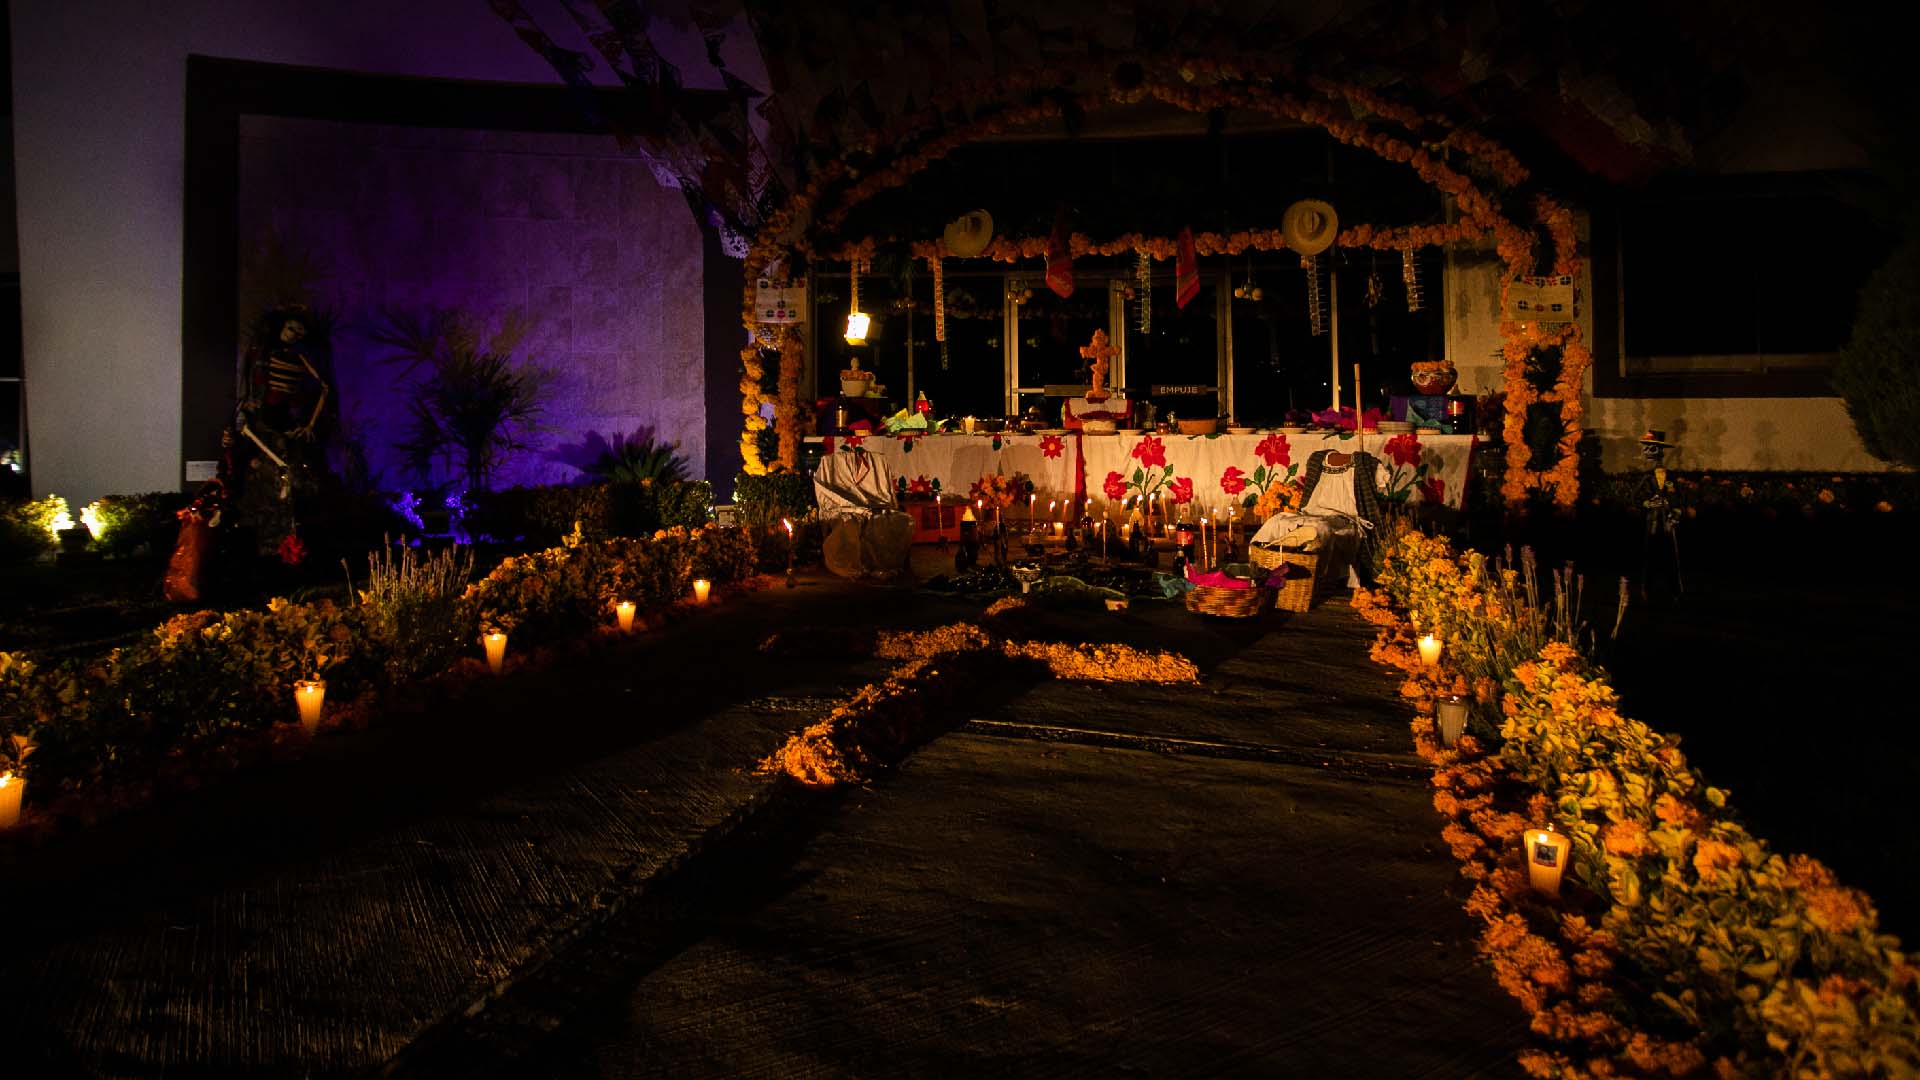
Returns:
(968, 377)
(1053, 330)
(1182, 349)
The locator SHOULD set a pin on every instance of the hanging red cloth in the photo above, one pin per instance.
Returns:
(1186, 279)
(1060, 257)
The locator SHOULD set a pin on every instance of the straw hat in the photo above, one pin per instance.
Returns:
(1655, 437)
(969, 235)
(1309, 226)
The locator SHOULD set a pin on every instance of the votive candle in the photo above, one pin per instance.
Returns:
(311, 697)
(1546, 859)
(1452, 714)
(1430, 650)
(12, 790)
(623, 611)
(496, 646)
(702, 589)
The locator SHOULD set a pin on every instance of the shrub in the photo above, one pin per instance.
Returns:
(26, 528)
(638, 458)
(413, 612)
(1878, 373)
(128, 525)
(764, 500)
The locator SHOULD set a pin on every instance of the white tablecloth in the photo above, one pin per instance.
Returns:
(1050, 461)
(1212, 472)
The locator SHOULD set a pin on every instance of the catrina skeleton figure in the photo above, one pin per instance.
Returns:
(284, 420)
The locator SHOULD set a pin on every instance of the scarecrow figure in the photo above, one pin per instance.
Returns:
(284, 418)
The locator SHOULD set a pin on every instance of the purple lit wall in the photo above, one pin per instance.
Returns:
(604, 263)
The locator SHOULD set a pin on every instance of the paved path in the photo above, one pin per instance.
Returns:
(1243, 878)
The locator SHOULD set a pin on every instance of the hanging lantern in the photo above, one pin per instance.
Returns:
(1410, 273)
(857, 320)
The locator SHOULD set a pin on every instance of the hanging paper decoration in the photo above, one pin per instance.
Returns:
(1143, 286)
(1410, 273)
(1186, 271)
(1316, 297)
(939, 299)
(1060, 257)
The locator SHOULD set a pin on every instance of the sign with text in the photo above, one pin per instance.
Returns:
(779, 301)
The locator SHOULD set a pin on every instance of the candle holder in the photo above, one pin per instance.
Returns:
(1430, 650)
(623, 614)
(496, 646)
(1451, 711)
(13, 790)
(1028, 575)
(310, 696)
(702, 590)
(1547, 853)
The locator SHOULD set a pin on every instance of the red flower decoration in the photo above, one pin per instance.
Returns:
(292, 551)
(1274, 451)
(1433, 490)
(920, 485)
(1116, 486)
(1151, 452)
(1403, 449)
(1051, 446)
(1181, 490)
(853, 440)
(1233, 481)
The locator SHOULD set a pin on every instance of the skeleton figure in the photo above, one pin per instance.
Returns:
(282, 420)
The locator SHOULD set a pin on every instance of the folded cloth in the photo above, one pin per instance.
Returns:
(1220, 579)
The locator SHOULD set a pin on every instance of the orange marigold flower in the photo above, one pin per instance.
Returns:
(1560, 653)
(1627, 838)
(1672, 811)
(1805, 871)
(1711, 858)
(1837, 910)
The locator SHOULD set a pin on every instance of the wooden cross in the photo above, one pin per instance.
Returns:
(1101, 353)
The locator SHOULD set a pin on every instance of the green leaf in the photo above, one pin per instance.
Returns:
(1260, 475)
(1249, 501)
(907, 448)
(1139, 476)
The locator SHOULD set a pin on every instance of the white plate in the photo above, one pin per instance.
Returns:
(1241, 430)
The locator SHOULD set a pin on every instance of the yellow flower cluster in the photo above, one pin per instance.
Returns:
(1779, 968)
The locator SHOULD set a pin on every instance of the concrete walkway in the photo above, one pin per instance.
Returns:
(548, 879)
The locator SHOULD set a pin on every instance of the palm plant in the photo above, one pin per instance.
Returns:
(640, 457)
(472, 403)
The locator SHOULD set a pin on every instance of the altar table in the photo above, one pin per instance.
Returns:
(1206, 474)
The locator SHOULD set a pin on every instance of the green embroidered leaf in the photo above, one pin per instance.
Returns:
(1139, 476)
(1260, 475)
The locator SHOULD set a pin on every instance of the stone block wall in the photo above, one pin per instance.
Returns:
(603, 262)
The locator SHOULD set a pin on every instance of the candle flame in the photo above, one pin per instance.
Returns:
(5, 779)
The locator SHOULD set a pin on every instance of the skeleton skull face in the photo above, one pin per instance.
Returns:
(292, 331)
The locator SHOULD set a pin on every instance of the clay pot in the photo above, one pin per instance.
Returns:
(1435, 382)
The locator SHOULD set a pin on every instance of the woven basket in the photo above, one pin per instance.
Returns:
(1305, 583)
(1229, 603)
(1208, 426)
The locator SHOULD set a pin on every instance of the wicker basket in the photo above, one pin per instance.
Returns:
(1229, 603)
(1208, 426)
(1305, 583)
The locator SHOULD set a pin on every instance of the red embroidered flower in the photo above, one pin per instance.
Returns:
(1233, 481)
(1403, 449)
(1274, 451)
(1181, 490)
(1116, 486)
(1151, 452)
(920, 485)
(292, 551)
(853, 440)
(1051, 446)
(1433, 490)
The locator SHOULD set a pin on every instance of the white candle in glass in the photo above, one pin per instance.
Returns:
(623, 611)
(1547, 853)
(13, 790)
(1451, 711)
(1430, 650)
(496, 646)
(702, 589)
(310, 695)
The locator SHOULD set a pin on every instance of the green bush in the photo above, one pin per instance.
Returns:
(144, 524)
(764, 500)
(24, 528)
(415, 615)
(1878, 374)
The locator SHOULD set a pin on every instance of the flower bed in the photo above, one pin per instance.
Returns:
(881, 720)
(1684, 946)
(211, 687)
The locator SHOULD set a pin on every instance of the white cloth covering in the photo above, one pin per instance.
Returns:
(1329, 521)
(853, 486)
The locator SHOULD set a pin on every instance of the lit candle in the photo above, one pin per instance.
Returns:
(1031, 500)
(496, 646)
(1126, 532)
(12, 790)
(311, 696)
(623, 611)
(702, 588)
(1059, 530)
(1452, 713)
(1546, 859)
(789, 525)
(1430, 650)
